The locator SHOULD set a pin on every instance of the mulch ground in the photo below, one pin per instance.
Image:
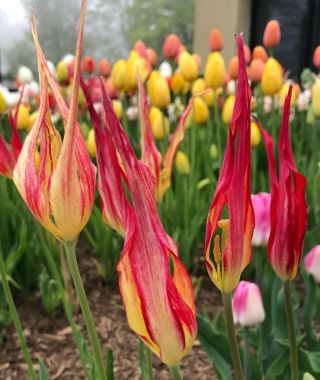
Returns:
(51, 338)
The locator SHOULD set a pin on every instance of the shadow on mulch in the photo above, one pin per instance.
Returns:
(51, 338)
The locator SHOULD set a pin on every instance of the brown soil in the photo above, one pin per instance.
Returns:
(51, 338)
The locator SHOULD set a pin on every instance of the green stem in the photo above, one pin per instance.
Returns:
(246, 354)
(149, 362)
(291, 331)
(15, 318)
(86, 312)
(233, 344)
(218, 127)
(175, 373)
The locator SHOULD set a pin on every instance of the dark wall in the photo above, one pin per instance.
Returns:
(300, 27)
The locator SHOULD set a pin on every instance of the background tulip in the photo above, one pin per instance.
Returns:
(188, 66)
(272, 34)
(256, 70)
(233, 67)
(158, 90)
(215, 40)
(171, 46)
(182, 163)
(315, 100)
(214, 74)
(200, 110)
(261, 206)
(104, 67)
(259, 52)
(255, 134)
(316, 57)
(227, 109)
(271, 81)
(312, 263)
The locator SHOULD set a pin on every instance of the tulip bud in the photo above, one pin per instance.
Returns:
(171, 46)
(24, 75)
(214, 71)
(136, 65)
(91, 143)
(259, 52)
(188, 67)
(89, 64)
(158, 90)
(119, 74)
(316, 57)
(308, 376)
(247, 53)
(247, 304)
(312, 263)
(261, 206)
(256, 69)
(62, 71)
(140, 47)
(152, 56)
(272, 34)
(197, 59)
(284, 92)
(104, 67)
(255, 134)
(165, 69)
(117, 106)
(200, 111)
(23, 120)
(213, 151)
(132, 113)
(182, 163)
(159, 123)
(111, 90)
(178, 84)
(227, 109)
(315, 102)
(233, 67)
(3, 105)
(199, 86)
(271, 81)
(215, 40)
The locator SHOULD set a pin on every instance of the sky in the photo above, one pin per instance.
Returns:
(13, 21)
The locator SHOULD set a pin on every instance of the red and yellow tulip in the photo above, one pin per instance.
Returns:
(232, 253)
(61, 193)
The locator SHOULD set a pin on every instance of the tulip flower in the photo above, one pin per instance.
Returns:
(247, 304)
(247, 53)
(158, 90)
(104, 67)
(89, 64)
(259, 52)
(233, 67)
(182, 163)
(140, 47)
(152, 56)
(165, 69)
(61, 194)
(227, 109)
(233, 192)
(171, 46)
(119, 74)
(178, 84)
(159, 123)
(261, 207)
(316, 57)
(315, 100)
(3, 104)
(62, 71)
(160, 312)
(284, 92)
(9, 152)
(255, 134)
(24, 75)
(215, 40)
(91, 143)
(188, 66)
(271, 81)
(256, 70)
(214, 74)
(136, 65)
(312, 263)
(198, 87)
(200, 110)
(288, 205)
(272, 34)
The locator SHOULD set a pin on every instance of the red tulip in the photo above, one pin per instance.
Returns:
(288, 205)
(89, 64)
(171, 46)
(233, 194)
(316, 57)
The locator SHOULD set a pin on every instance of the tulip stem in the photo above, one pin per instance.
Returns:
(246, 353)
(86, 312)
(15, 318)
(217, 125)
(175, 373)
(291, 331)
(233, 344)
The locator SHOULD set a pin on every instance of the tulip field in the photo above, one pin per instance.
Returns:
(160, 215)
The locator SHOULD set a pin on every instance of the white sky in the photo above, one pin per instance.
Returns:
(14, 11)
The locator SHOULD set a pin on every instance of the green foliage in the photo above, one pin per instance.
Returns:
(50, 293)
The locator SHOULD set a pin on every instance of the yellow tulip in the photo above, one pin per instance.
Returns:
(91, 143)
(3, 105)
(188, 66)
(214, 73)
(117, 106)
(227, 109)
(200, 110)
(62, 71)
(284, 92)
(315, 102)
(255, 134)
(182, 163)
(32, 119)
(159, 123)
(158, 90)
(199, 86)
(271, 81)
(23, 117)
(119, 74)
(37, 160)
(136, 64)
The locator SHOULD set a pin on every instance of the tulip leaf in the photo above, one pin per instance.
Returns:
(109, 364)
(216, 346)
(43, 374)
(309, 361)
(278, 366)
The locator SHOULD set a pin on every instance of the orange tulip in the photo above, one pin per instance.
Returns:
(233, 67)
(247, 53)
(152, 56)
(89, 64)
(104, 67)
(259, 52)
(272, 34)
(256, 70)
(140, 47)
(215, 40)
(316, 57)
(60, 194)
(171, 46)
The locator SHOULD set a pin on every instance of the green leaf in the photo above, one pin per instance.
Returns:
(43, 374)
(309, 361)
(278, 366)
(109, 364)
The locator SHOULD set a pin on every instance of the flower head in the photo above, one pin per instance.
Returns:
(261, 207)
(312, 263)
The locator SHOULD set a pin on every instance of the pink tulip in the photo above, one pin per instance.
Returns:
(261, 206)
(312, 263)
(247, 304)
